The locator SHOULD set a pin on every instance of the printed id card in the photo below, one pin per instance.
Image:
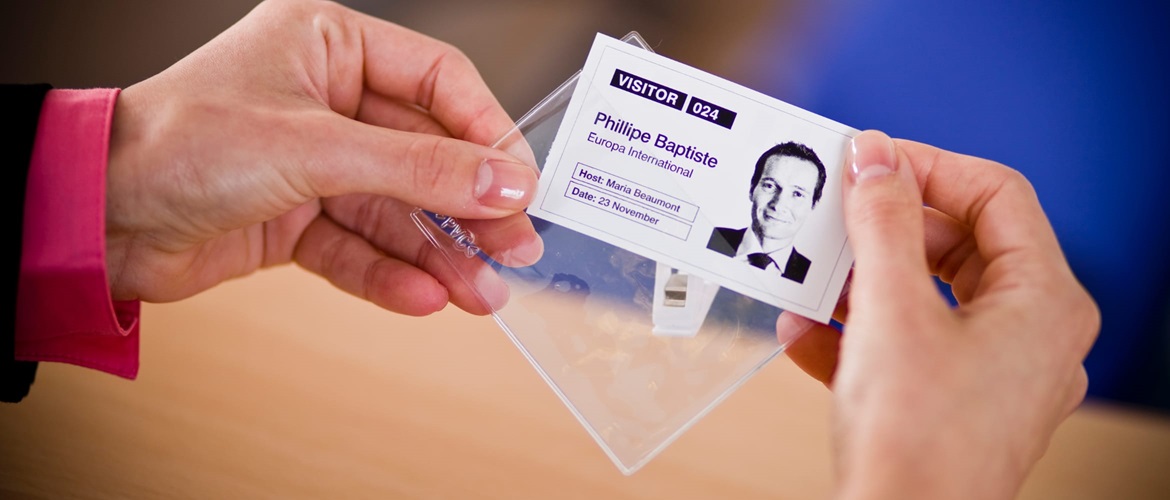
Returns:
(704, 175)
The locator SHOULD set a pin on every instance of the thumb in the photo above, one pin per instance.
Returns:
(440, 174)
(884, 221)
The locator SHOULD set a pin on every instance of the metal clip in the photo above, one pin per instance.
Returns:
(681, 302)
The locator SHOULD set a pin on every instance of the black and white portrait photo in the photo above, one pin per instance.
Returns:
(785, 188)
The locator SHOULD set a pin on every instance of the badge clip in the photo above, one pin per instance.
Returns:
(681, 302)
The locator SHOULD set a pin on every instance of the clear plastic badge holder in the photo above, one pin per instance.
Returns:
(636, 350)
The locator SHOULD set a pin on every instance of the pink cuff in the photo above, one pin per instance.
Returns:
(64, 309)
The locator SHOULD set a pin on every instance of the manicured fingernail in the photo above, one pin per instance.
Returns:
(790, 327)
(522, 254)
(529, 252)
(503, 184)
(871, 155)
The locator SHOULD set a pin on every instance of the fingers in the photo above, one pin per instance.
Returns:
(385, 112)
(1076, 391)
(884, 220)
(406, 81)
(389, 113)
(811, 345)
(439, 174)
(953, 254)
(996, 202)
(418, 84)
(511, 240)
(386, 225)
(842, 310)
(515, 144)
(410, 67)
(385, 222)
(351, 264)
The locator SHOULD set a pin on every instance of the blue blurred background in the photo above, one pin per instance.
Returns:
(1074, 94)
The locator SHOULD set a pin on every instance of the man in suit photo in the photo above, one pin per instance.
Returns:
(786, 187)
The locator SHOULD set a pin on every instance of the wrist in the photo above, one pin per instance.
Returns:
(897, 459)
(127, 141)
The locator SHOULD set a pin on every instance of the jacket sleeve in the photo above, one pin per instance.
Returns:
(64, 311)
(22, 107)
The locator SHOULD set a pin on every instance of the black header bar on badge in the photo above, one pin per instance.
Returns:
(650, 90)
(713, 113)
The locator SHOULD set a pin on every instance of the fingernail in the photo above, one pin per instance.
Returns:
(503, 184)
(790, 327)
(871, 155)
(529, 252)
(523, 254)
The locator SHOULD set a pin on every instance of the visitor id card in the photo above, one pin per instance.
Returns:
(702, 174)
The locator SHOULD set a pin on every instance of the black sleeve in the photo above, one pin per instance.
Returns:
(21, 105)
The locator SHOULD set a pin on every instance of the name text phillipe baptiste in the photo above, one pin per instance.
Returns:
(633, 134)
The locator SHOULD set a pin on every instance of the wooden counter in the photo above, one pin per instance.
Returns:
(279, 386)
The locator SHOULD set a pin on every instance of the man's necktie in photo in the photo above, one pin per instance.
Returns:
(760, 260)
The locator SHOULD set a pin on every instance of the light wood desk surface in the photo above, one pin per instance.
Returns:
(278, 386)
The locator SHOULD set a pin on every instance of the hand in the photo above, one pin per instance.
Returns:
(935, 402)
(308, 132)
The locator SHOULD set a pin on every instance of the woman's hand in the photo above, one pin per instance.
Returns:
(935, 402)
(308, 132)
